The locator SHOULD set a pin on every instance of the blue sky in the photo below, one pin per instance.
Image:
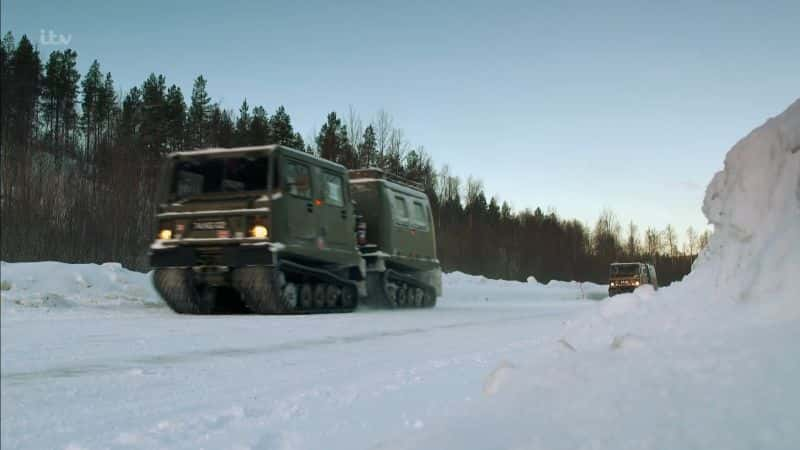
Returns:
(577, 106)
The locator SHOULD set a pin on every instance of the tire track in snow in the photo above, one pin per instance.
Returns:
(117, 366)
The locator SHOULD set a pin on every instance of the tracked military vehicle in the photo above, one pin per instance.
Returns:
(269, 229)
(397, 240)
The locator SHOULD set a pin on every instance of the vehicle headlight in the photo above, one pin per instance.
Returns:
(612, 284)
(165, 234)
(635, 283)
(259, 231)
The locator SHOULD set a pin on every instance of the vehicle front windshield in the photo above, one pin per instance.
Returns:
(624, 270)
(212, 175)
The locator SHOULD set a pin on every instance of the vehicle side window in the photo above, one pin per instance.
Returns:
(298, 179)
(334, 193)
(400, 209)
(419, 217)
(275, 176)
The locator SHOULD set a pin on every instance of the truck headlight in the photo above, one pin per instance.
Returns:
(165, 234)
(635, 283)
(259, 231)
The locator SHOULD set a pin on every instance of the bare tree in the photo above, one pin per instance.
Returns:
(633, 245)
(670, 241)
(691, 241)
(473, 189)
(652, 242)
(702, 241)
(607, 235)
(311, 141)
(383, 131)
(355, 129)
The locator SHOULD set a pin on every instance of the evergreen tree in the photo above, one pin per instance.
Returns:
(60, 96)
(197, 126)
(175, 119)
(22, 87)
(243, 126)
(280, 125)
(7, 47)
(297, 143)
(131, 119)
(221, 128)
(368, 149)
(107, 110)
(92, 87)
(107, 118)
(259, 132)
(153, 118)
(332, 142)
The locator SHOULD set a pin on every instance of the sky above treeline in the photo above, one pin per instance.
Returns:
(571, 106)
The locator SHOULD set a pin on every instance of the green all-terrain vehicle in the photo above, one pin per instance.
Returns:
(397, 240)
(268, 228)
(274, 230)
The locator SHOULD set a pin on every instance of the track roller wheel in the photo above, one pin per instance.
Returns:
(348, 297)
(332, 293)
(306, 296)
(402, 296)
(290, 296)
(418, 297)
(319, 295)
(391, 295)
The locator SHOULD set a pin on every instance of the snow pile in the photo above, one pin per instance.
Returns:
(460, 287)
(55, 285)
(754, 205)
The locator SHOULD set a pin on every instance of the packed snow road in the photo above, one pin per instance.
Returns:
(78, 373)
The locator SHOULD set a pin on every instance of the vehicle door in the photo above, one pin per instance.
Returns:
(298, 186)
(337, 222)
(401, 229)
(420, 229)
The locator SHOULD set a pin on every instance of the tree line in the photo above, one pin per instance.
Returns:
(81, 166)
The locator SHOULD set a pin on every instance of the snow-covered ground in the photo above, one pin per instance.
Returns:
(92, 359)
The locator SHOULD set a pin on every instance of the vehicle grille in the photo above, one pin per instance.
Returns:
(209, 257)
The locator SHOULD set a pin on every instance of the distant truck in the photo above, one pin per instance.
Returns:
(626, 277)
(275, 230)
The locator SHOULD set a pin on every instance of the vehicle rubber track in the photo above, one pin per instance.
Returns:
(393, 289)
(179, 290)
(293, 289)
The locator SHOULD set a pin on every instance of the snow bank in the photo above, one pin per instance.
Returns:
(460, 287)
(56, 285)
(754, 205)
